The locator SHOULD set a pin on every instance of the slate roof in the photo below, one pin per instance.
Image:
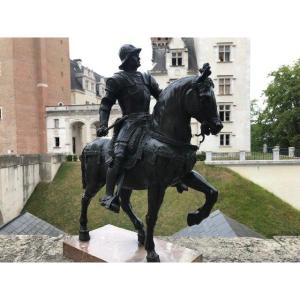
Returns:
(218, 225)
(76, 83)
(159, 57)
(192, 59)
(28, 224)
(76, 79)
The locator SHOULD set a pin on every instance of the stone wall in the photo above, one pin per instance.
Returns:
(280, 177)
(33, 248)
(19, 175)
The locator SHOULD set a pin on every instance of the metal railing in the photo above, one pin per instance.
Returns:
(276, 154)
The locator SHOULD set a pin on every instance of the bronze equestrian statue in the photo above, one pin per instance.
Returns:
(149, 151)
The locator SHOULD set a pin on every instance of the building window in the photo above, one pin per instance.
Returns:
(225, 112)
(176, 59)
(86, 84)
(56, 123)
(1, 114)
(224, 86)
(225, 139)
(56, 142)
(92, 86)
(224, 53)
(60, 103)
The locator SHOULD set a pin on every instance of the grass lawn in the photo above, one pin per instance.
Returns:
(58, 203)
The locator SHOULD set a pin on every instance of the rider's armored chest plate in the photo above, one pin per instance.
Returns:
(135, 94)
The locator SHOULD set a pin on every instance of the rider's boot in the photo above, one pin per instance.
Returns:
(111, 201)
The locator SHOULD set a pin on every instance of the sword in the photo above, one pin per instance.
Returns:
(118, 121)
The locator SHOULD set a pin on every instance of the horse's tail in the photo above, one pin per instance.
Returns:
(83, 168)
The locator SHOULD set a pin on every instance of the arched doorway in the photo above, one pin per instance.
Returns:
(78, 137)
(94, 127)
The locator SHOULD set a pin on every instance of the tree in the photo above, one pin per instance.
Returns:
(279, 122)
(256, 130)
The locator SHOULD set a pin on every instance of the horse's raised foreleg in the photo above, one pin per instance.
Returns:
(199, 183)
(137, 223)
(88, 194)
(155, 198)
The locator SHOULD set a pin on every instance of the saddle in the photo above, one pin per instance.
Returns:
(134, 147)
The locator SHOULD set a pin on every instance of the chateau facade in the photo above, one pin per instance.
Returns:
(49, 103)
(229, 58)
(71, 127)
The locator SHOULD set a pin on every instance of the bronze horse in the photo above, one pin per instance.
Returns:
(167, 157)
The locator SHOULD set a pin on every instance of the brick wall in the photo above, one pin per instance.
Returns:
(35, 72)
(7, 98)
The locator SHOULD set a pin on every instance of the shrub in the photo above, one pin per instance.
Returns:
(75, 157)
(69, 157)
(201, 156)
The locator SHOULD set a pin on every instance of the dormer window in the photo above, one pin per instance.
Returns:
(176, 59)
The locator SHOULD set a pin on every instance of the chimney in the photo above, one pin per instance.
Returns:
(79, 63)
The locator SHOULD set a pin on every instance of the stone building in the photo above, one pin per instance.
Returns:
(71, 127)
(87, 87)
(174, 58)
(34, 73)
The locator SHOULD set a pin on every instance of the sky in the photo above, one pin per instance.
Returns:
(267, 55)
(98, 28)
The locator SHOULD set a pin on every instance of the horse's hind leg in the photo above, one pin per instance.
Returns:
(89, 193)
(155, 198)
(137, 223)
(199, 183)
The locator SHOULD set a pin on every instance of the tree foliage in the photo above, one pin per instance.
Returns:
(279, 122)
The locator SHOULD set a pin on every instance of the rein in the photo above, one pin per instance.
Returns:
(202, 135)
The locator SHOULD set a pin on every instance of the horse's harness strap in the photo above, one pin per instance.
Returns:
(165, 139)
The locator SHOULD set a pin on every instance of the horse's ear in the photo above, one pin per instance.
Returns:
(205, 72)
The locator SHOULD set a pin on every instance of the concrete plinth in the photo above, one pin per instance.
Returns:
(113, 244)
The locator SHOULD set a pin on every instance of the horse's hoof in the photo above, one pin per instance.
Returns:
(196, 217)
(84, 235)
(152, 257)
(192, 219)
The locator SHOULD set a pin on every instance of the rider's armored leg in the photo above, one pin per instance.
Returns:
(111, 200)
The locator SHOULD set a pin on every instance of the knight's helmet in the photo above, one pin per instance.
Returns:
(125, 52)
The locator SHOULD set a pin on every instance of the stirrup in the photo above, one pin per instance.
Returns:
(111, 202)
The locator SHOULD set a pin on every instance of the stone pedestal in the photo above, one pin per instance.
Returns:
(113, 244)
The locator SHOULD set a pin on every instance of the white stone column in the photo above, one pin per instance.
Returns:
(208, 156)
(291, 151)
(88, 133)
(84, 135)
(265, 148)
(276, 153)
(243, 155)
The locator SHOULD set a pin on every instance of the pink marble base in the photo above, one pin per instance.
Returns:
(114, 244)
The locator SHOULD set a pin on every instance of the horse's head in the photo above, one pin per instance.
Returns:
(201, 103)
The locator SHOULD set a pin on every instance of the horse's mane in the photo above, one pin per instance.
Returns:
(172, 93)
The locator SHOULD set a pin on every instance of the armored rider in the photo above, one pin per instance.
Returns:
(133, 90)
